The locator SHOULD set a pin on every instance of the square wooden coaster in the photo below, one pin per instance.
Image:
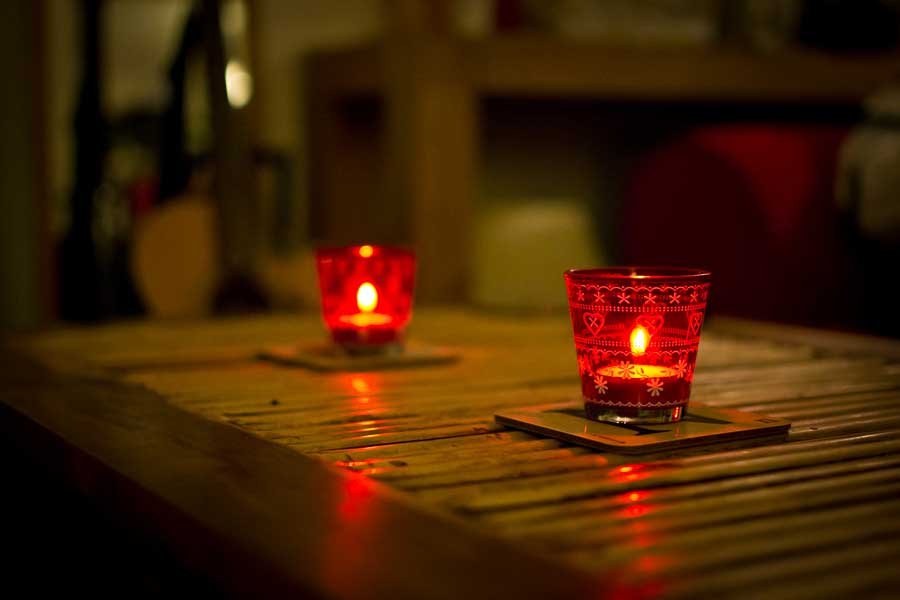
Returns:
(328, 357)
(701, 424)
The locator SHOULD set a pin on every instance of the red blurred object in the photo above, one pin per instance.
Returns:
(636, 335)
(754, 204)
(367, 294)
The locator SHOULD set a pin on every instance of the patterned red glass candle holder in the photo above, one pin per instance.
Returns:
(636, 335)
(367, 295)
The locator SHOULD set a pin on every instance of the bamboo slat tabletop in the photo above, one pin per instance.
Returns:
(815, 514)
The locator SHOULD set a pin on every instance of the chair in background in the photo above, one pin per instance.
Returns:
(755, 205)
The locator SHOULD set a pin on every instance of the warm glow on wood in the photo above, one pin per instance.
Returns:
(639, 340)
(366, 297)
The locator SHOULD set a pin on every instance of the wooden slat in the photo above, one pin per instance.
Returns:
(761, 539)
(848, 344)
(790, 577)
(536, 518)
(781, 501)
(569, 486)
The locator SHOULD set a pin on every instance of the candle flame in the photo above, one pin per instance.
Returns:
(366, 251)
(639, 340)
(366, 297)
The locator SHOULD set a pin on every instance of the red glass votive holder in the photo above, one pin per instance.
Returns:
(367, 295)
(636, 335)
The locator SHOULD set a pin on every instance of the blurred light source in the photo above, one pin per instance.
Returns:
(238, 84)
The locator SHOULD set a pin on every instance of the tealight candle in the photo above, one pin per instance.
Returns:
(367, 302)
(636, 335)
(367, 294)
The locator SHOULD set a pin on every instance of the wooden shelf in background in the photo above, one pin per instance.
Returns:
(539, 66)
(410, 176)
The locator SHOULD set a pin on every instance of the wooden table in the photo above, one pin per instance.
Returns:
(399, 484)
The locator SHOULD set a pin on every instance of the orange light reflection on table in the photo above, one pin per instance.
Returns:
(633, 472)
(356, 493)
(354, 528)
(363, 388)
(636, 510)
(364, 404)
(361, 384)
(636, 496)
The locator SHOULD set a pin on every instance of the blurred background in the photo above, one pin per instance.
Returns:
(180, 158)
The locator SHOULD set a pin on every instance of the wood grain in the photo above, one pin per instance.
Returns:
(780, 514)
(258, 517)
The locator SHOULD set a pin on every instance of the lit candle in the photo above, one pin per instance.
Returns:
(638, 340)
(636, 336)
(366, 302)
(367, 294)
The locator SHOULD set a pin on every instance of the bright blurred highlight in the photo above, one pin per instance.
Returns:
(238, 84)
(640, 338)
(366, 297)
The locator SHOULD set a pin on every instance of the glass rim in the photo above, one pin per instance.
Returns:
(639, 273)
(355, 250)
